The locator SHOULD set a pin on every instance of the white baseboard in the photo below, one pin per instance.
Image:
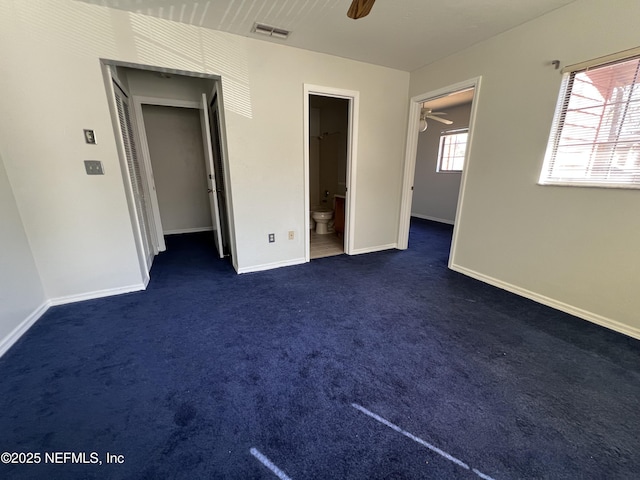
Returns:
(550, 302)
(377, 248)
(7, 342)
(97, 294)
(433, 219)
(271, 266)
(188, 230)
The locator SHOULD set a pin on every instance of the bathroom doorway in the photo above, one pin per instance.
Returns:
(328, 145)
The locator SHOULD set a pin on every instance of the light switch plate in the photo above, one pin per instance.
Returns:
(89, 136)
(93, 167)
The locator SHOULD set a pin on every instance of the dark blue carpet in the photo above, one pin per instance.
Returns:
(185, 378)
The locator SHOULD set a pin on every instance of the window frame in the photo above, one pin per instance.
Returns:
(444, 135)
(546, 177)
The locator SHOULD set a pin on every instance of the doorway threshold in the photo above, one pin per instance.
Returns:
(326, 245)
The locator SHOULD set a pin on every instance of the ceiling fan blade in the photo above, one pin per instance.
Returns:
(360, 8)
(441, 120)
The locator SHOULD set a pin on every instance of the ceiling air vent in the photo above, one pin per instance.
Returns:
(270, 31)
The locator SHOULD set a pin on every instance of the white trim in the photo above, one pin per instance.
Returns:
(377, 248)
(433, 219)
(550, 302)
(305, 174)
(188, 230)
(352, 155)
(596, 62)
(166, 102)
(411, 152)
(109, 292)
(7, 342)
(271, 266)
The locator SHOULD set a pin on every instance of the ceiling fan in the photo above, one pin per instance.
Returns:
(430, 114)
(360, 8)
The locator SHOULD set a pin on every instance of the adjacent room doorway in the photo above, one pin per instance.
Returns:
(330, 126)
(450, 138)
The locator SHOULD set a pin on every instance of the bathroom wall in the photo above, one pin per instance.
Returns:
(314, 157)
(333, 125)
(435, 194)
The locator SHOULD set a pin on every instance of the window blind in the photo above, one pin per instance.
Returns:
(595, 136)
(453, 145)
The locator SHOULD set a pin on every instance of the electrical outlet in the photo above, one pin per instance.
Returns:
(272, 237)
(93, 167)
(292, 234)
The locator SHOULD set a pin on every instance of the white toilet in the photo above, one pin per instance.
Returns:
(322, 216)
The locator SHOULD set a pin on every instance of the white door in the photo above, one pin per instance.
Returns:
(216, 138)
(135, 173)
(211, 175)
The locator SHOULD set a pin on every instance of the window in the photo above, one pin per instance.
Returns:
(453, 144)
(595, 137)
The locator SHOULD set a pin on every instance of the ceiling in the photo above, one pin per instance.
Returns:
(401, 34)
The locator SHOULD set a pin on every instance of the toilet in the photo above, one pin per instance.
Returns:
(322, 216)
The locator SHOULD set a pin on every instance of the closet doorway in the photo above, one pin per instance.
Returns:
(173, 138)
(173, 143)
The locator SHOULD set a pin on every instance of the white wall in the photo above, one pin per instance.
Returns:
(174, 136)
(21, 292)
(79, 226)
(574, 248)
(435, 194)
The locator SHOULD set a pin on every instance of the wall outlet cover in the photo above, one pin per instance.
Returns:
(93, 167)
(89, 136)
(272, 237)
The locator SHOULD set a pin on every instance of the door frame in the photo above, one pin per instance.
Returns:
(353, 97)
(411, 152)
(138, 101)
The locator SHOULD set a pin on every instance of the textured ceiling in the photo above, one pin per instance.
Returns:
(402, 34)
